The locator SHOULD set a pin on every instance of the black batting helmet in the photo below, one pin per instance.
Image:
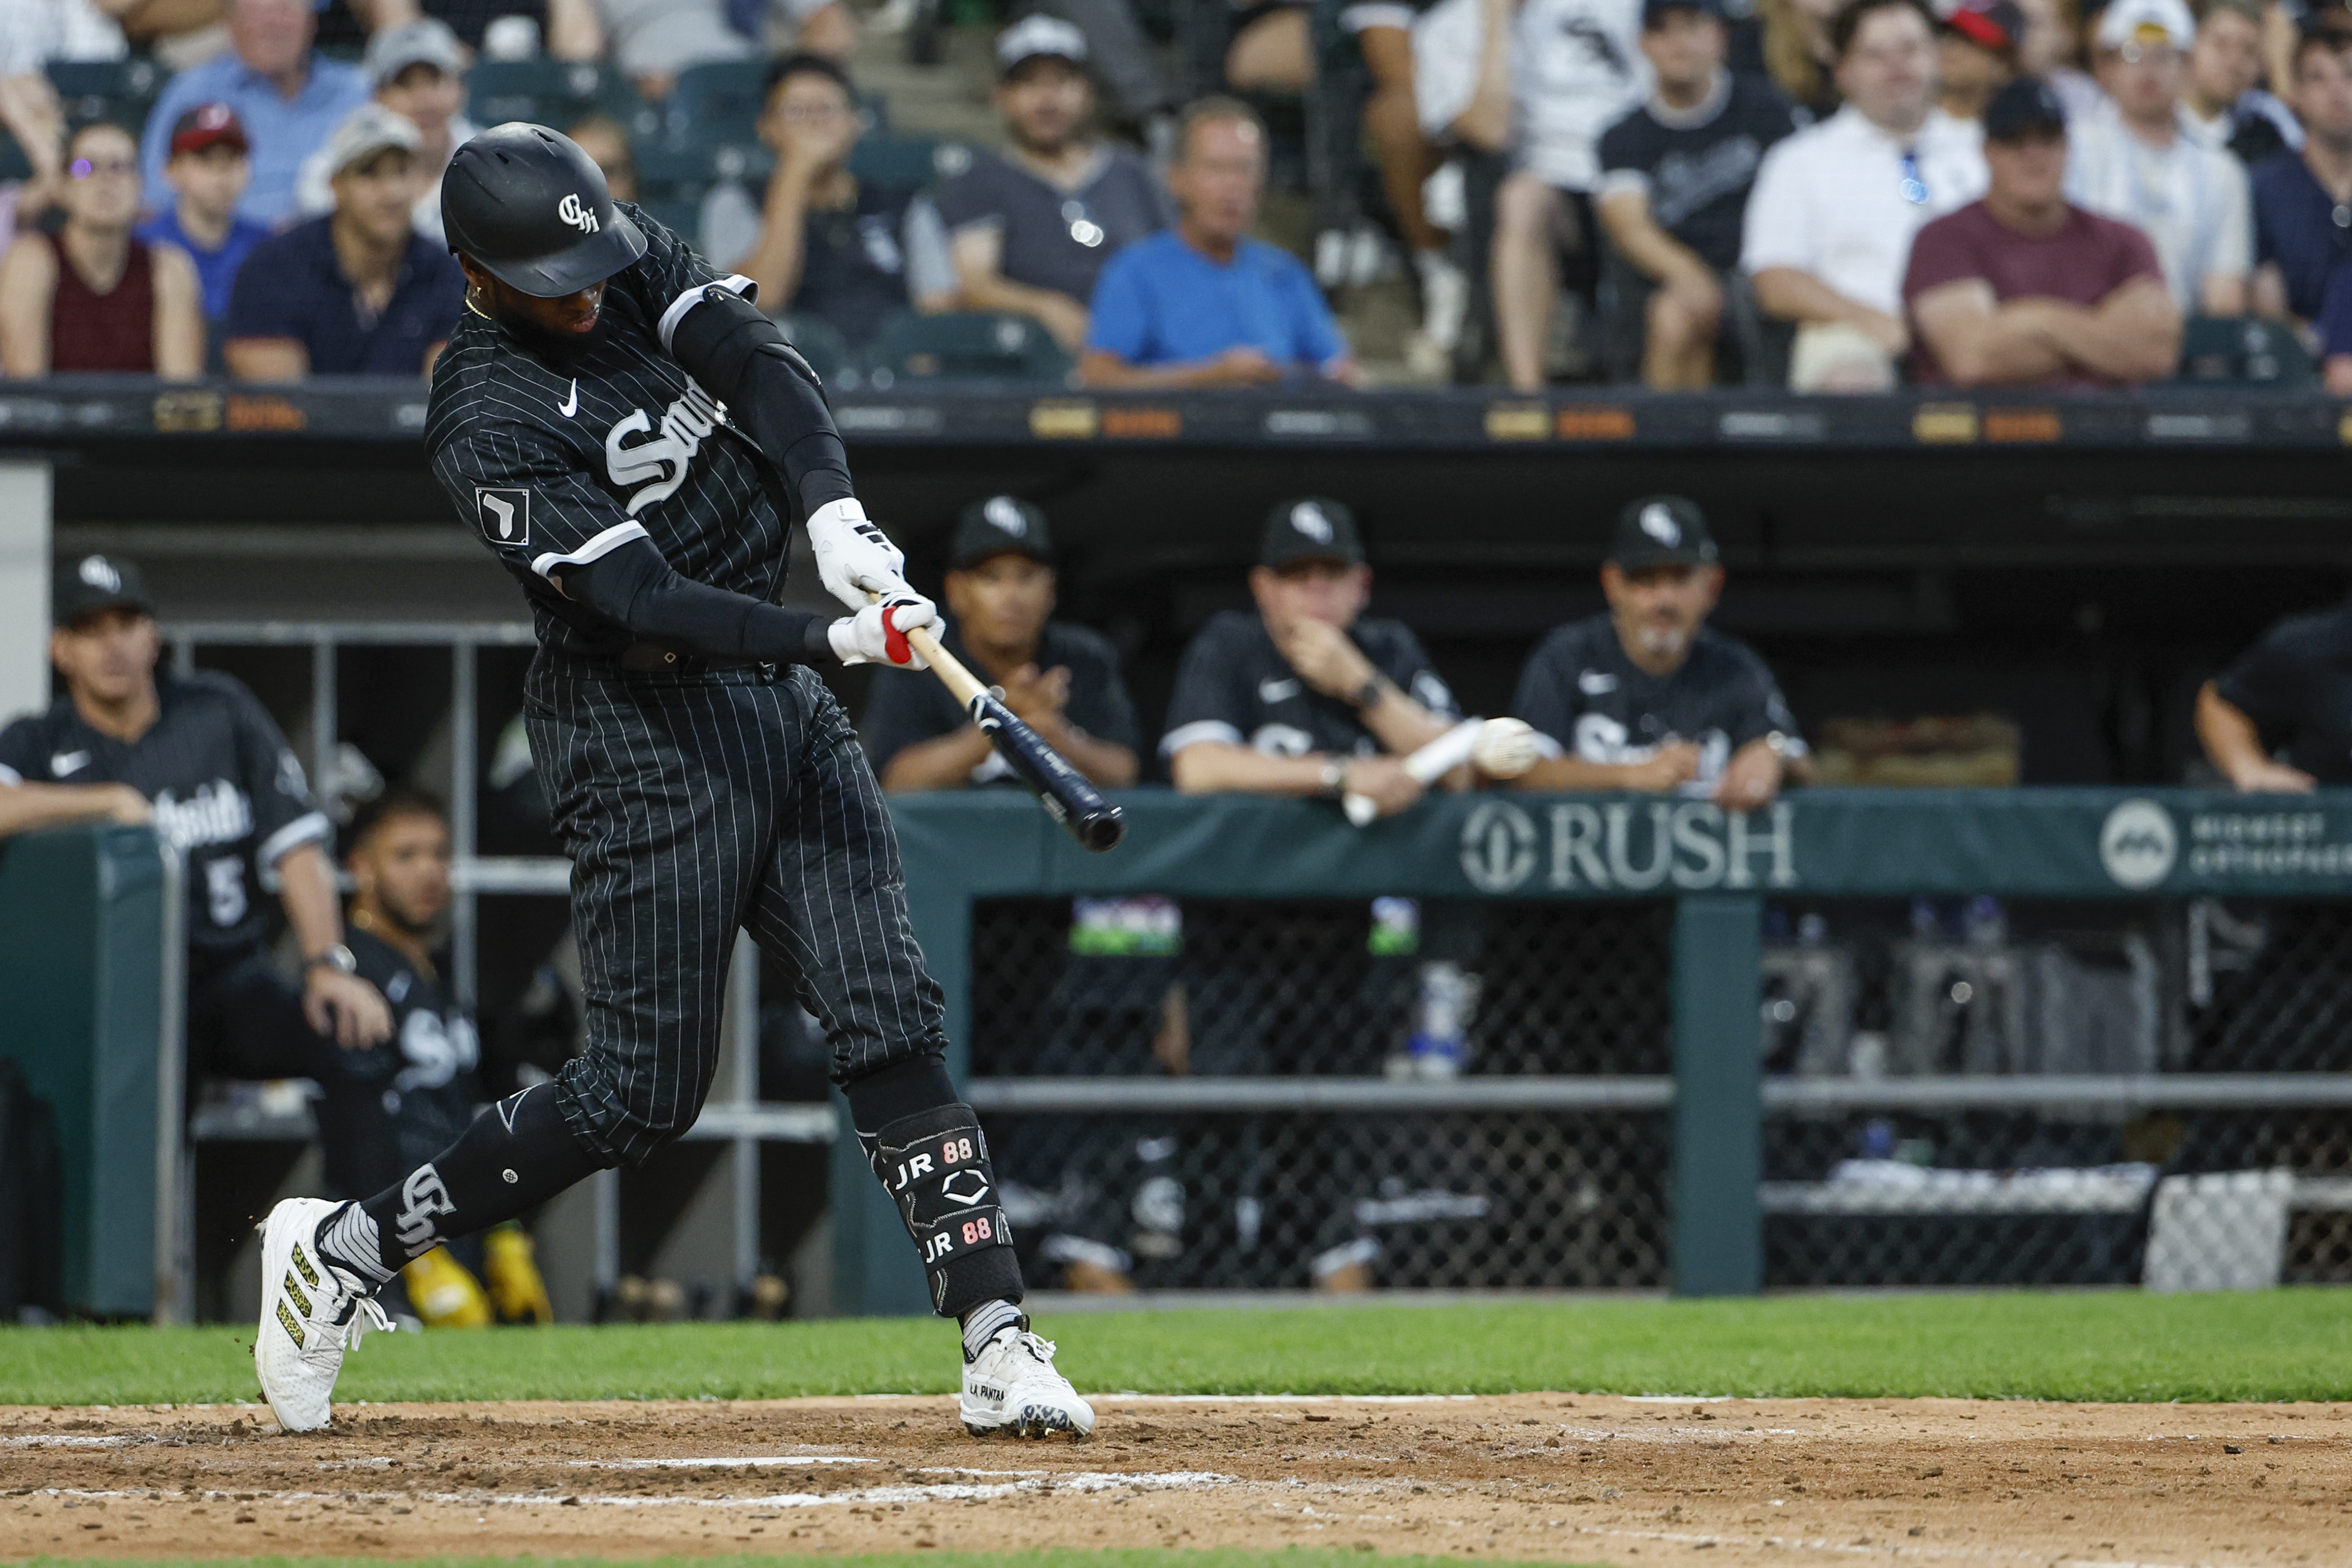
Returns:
(529, 204)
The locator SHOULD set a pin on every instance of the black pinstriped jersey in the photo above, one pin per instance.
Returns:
(558, 464)
(227, 790)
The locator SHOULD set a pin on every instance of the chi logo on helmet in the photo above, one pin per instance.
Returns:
(577, 213)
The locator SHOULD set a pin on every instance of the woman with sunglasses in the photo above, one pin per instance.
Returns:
(93, 297)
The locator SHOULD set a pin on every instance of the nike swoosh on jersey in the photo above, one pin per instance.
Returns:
(571, 404)
(1276, 691)
(65, 763)
(1596, 682)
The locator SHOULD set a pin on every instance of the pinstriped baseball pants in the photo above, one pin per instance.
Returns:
(693, 806)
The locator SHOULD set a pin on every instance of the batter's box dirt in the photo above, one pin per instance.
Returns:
(1585, 1478)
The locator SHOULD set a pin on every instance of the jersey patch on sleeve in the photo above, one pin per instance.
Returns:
(504, 515)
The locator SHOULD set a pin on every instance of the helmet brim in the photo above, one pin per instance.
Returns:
(591, 259)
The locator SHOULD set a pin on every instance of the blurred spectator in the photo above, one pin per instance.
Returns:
(652, 40)
(289, 98)
(1272, 49)
(2334, 328)
(2279, 721)
(2223, 96)
(607, 142)
(1830, 219)
(471, 19)
(2303, 200)
(1976, 52)
(2023, 289)
(29, 112)
(826, 244)
(94, 298)
(1307, 697)
(208, 168)
(1797, 52)
(358, 292)
(198, 757)
(1203, 304)
(32, 32)
(1644, 697)
(1125, 61)
(1032, 227)
(1406, 157)
(418, 71)
(2143, 160)
(1061, 679)
(1573, 68)
(1674, 178)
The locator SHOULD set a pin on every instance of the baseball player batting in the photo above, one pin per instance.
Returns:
(631, 438)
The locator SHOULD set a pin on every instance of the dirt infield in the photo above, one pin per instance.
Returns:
(1575, 1477)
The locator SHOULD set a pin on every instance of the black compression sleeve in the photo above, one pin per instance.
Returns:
(635, 587)
(733, 350)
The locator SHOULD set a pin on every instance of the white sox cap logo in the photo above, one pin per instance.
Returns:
(98, 573)
(1004, 513)
(1659, 524)
(1308, 519)
(576, 213)
(505, 516)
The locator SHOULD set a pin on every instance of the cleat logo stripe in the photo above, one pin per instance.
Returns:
(303, 1265)
(293, 1330)
(302, 1302)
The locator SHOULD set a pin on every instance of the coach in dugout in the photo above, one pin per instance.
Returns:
(1307, 697)
(199, 757)
(1644, 697)
(1061, 679)
(2279, 721)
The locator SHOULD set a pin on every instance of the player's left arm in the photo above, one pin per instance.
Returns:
(293, 834)
(1767, 751)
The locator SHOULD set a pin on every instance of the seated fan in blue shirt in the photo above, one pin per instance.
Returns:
(1202, 304)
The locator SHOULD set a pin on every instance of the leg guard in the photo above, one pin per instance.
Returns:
(935, 1166)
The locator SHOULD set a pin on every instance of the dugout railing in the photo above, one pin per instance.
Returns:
(2130, 1065)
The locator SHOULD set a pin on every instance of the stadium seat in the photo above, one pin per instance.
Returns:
(555, 92)
(970, 344)
(717, 103)
(12, 165)
(680, 213)
(122, 90)
(2247, 352)
(888, 160)
(827, 350)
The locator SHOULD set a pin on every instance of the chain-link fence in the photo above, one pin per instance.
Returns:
(1494, 1155)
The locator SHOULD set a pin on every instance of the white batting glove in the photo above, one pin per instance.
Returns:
(854, 558)
(877, 633)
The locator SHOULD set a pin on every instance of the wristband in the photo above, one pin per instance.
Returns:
(1335, 778)
(338, 957)
(1368, 694)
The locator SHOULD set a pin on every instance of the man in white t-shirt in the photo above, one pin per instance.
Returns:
(1830, 222)
(2146, 160)
(1573, 68)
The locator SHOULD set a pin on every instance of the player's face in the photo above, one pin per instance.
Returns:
(1331, 592)
(1004, 601)
(404, 867)
(566, 321)
(211, 181)
(1659, 609)
(1048, 103)
(107, 656)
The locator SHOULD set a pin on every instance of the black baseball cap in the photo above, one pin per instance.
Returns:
(1653, 12)
(1661, 531)
(998, 526)
(2026, 107)
(1310, 528)
(97, 583)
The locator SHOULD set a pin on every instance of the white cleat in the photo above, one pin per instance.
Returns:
(310, 1318)
(1011, 1387)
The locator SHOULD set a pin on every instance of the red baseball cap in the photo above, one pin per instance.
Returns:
(208, 125)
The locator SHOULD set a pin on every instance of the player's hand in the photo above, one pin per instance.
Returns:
(1382, 781)
(1750, 779)
(1325, 657)
(345, 1009)
(121, 804)
(877, 633)
(1674, 765)
(854, 558)
(2267, 777)
(1037, 696)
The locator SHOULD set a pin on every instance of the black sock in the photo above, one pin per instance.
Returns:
(516, 1156)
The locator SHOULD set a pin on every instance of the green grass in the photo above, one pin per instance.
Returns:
(2106, 1345)
(1096, 1557)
